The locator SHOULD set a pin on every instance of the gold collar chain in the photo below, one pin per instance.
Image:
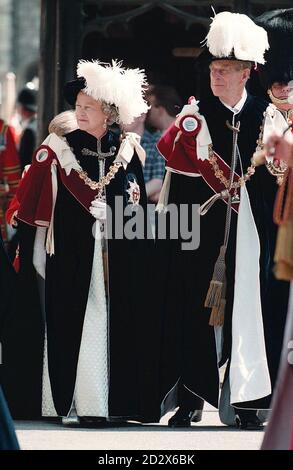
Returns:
(220, 175)
(104, 181)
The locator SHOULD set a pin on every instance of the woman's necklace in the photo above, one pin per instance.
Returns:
(104, 180)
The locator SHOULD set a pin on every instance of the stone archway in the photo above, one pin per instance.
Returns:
(156, 40)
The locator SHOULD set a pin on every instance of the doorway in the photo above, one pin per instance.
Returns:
(157, 41)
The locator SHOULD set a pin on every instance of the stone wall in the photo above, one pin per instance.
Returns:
(5, 36)
(19, 49)
(26, 38)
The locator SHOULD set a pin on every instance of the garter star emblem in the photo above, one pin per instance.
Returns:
(134, 193)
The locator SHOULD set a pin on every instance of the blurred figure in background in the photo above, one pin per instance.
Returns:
(27, 109)
(165, 103)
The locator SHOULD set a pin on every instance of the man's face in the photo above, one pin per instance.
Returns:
(282, 90)
(154, 113)
(228, 78)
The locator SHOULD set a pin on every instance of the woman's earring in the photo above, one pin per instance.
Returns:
(105, 124)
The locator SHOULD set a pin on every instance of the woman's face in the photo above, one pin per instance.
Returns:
(89, 114)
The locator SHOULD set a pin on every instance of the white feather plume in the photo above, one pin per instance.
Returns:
(234, 33)
(115, 85)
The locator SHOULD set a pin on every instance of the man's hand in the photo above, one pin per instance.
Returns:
(281, 148)
(189, 109)
(259, 158)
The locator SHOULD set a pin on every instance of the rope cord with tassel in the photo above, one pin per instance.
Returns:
(216, 295)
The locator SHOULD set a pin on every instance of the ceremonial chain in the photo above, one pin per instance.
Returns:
(275, 168)
(220, 175)
(104, 181)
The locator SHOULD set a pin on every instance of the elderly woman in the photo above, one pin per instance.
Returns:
(80, 194)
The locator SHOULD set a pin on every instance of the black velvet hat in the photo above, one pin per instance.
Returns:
(279, 58)
(27, 97)
(72, 88)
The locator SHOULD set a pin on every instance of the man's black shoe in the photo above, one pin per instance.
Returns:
(92, 422)
(249, 424)
(197, 416)
(183, 418)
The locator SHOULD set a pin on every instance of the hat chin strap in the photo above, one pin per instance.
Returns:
(276, 100)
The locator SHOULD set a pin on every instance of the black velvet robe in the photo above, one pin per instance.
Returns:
(132, 322)
(188, 349)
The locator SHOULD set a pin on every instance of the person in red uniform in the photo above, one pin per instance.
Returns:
(9, 172)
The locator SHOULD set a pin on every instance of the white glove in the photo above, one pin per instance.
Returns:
(187, 110)
(98, 209)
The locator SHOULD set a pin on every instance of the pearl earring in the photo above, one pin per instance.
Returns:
(105, 124)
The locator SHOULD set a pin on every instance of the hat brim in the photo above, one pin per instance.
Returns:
(206, 58)
(72, 88)
(30, 107)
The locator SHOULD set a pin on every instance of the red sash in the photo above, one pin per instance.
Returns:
(207, 172)
(182, 157)
(35, 194)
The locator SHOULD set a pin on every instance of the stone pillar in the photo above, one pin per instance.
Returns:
(26, 37)
(60, 43)
(5, 37)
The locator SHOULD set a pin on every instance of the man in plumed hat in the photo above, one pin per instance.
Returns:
(215, 313)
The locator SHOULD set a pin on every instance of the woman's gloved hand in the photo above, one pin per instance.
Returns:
(98, 209)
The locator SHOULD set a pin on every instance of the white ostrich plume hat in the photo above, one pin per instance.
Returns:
(115, 85)
(236, 36)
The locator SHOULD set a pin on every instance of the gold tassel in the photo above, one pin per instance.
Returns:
(284, 252)
(218, 314)
(214, 295)
(283, 216)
